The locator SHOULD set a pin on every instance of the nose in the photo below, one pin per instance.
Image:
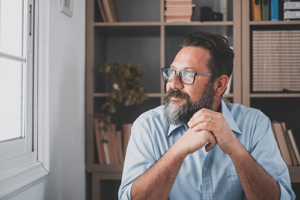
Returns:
(176, 84)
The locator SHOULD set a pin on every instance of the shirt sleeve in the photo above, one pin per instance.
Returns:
(140, 156)
(266, 152)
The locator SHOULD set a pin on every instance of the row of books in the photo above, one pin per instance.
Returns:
(275, 61)
(179, 10)
(275, 10)
(112, 145)
(108, 10)
(286, 143)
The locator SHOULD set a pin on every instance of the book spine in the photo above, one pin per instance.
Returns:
(282, 143)
(274, 10)
(294, 144)
(265, 10)
(256, 10)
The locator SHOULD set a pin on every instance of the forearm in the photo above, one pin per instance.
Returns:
(256, 182)
(157, 182)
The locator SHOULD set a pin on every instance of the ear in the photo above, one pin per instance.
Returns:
(220, 85)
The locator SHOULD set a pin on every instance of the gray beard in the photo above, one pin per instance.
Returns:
(176, 114)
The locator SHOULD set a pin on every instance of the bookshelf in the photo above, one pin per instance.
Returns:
(141, 36)
(283, 107)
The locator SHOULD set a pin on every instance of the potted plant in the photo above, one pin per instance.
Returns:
(126, 89)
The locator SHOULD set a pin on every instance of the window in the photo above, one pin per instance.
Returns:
(16, 78)
(22, 104)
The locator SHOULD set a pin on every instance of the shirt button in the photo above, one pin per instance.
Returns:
(207, 196)
(205, 168)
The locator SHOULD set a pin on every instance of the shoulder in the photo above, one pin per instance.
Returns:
(152, 119)
(241, 111)
(152, 115)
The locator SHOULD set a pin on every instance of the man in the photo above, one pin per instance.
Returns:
(198, 147)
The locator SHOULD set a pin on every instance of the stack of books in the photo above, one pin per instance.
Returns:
(179, 10)
(112, 145)
(108, 10)
(286, 143)
(275, 61)
(291, 10)
(275, 10)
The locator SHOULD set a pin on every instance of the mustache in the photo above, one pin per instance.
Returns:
(177, 94)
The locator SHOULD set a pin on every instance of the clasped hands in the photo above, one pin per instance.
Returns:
(207, 126)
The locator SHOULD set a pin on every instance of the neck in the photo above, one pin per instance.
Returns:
(217, 105)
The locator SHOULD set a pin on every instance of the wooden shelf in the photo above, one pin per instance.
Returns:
(104, 168)
(155, 95)
(294, 172)
(274, 22)
(193, 23)
(274, 95)
(128, 24)
(149, 95)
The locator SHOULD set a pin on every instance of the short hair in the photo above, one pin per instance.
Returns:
(221, 55)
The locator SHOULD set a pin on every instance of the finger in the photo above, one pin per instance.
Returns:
(211, 144)
(196, 120)
(207, 126)
(203, 116)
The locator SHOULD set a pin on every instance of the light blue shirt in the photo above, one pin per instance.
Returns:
(204, 175)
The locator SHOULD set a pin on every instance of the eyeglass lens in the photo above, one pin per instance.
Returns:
(184, 76)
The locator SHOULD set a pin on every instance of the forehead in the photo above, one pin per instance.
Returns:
(192, 58)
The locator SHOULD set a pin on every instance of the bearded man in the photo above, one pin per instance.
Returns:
(196, 146)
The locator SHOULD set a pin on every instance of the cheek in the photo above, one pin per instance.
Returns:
(195, 93)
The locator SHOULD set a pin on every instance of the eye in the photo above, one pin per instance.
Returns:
(187, 76)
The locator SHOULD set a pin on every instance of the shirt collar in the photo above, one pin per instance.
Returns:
(227, 115)
(229, 118)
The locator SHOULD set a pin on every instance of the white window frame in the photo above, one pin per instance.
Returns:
(21, 172)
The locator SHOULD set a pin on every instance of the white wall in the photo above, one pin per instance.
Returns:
(67, 104)
(67, 86)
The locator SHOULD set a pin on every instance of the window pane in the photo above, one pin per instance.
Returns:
(11, 27)
(11, 101)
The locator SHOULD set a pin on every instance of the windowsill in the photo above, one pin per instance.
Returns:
(21, 179)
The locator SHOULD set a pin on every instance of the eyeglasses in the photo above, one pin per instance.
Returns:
(185, 77)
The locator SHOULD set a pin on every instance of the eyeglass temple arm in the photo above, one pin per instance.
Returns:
(204, 74)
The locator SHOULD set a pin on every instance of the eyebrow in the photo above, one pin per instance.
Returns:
(185, 68)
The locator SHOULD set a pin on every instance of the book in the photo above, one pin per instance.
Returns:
(291, 15)
(265, 10)
(119, 147)
(274, 10)
(179, 2)
(100, 3)
(256, 10)
(99, 144)
(105, 148)
(273, 133)
(179, 9)
(178, 18)
(294, 144)
(126, 135)
(180, 6)
(282, 143)
(113, 9)
(288, 5)
(178, 13)
(107, 9)
(111, 137)
(289, 144)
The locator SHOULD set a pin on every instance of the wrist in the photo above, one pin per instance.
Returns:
(178, 151)
(238, 151)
